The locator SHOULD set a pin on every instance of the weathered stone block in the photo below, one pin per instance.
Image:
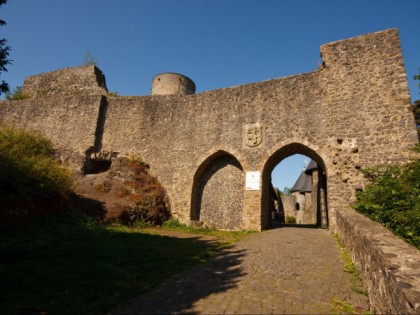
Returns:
(76, 81)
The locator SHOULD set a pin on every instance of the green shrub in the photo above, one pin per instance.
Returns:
(290, 219)
(416, 148)
(17, 95)
(28, 169)
(393, 198)
(113, 94)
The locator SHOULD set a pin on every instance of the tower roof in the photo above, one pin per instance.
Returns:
(312, 165)
(303, 183)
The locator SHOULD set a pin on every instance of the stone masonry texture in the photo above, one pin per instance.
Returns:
(352, 113)
(72, 81)
(224, 179)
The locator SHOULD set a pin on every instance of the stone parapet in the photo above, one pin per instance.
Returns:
(390, 266)
(75, 81)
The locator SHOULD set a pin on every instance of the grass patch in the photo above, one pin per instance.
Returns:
(341, 307)
(349, 267)
(69, 264)
(226, 238)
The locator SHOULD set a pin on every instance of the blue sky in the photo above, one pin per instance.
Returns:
(217, 43)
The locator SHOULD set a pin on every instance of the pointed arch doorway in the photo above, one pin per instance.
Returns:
(307, 202)
(217, 194)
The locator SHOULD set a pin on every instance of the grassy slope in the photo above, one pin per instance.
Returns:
(68, 264)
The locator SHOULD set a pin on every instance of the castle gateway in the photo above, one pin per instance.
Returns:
(214, 151)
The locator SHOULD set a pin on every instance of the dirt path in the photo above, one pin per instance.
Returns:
(287, 270)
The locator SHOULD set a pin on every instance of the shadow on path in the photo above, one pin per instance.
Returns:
(179, 293)
(292, 270)
(276, 225)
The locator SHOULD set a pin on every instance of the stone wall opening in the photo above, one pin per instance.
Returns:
(217, 197)
(303, 203)
(96, 166)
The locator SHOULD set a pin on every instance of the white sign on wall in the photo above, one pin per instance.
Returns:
(252, 180)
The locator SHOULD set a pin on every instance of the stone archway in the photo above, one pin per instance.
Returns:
(217, 195)
(320, 187)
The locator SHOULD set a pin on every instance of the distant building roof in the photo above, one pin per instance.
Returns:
(312, 165)
(304, 182)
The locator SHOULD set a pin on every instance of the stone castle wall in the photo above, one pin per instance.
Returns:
(352, 114)
(224, 178)
(77, 81)
(390, 266)
(345, 116)
(69, 122)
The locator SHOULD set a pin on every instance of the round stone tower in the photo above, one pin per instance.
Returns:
(172, 84)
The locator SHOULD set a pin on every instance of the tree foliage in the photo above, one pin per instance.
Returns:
(286, 191)
(4, 54)
(416, 106)
(417, 77)
(416, 112)
(393, 198)
(90, 60)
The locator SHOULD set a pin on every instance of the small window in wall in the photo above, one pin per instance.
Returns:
(297, 206)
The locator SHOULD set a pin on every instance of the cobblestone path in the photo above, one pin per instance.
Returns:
(282, 271)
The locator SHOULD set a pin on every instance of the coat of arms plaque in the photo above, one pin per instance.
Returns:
(253, 135)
